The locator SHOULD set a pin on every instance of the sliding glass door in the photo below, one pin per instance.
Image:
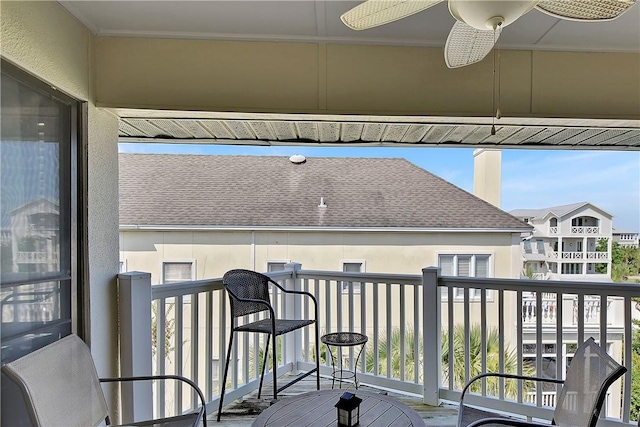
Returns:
(38, 214)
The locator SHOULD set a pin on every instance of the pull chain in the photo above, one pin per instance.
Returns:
(496, 84)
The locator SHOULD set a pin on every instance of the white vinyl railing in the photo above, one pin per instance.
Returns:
(585, 230)
(187, 331)
(553, 230)
(570, 302)
(578, 255)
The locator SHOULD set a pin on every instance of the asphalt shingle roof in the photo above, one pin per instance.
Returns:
(540, 213)
(252, 191)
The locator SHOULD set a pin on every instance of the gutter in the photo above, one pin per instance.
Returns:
(159, 227)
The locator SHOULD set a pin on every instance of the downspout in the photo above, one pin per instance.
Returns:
(253, 250)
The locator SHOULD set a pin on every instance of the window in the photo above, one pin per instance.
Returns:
(527, 246)
(275, 266)
(41, 260)
(540, 246)
(465, 266)
(181, 271)
(351, 267)
(571, 268)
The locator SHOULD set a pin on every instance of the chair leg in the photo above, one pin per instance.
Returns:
(224, 377)
(274, 352)
(265, 356)
(317, 358)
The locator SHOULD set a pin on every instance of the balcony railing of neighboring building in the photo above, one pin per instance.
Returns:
(553, 229)
(549, 398)
(45, 257)
(184, 330)
(602, 256)
(549, 312)
(585, 230)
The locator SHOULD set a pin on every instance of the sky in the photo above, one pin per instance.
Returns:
(530, 178)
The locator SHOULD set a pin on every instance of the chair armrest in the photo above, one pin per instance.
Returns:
(507, 376)
(289, 291)
(506, 422)
(165, 377)
(313, 298)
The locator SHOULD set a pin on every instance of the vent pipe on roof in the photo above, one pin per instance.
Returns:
(298, 159)
(487, 175)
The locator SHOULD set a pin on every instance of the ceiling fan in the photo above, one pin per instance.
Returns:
(479, 22)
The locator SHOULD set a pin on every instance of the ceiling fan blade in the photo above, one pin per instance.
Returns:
(585, 10)
(467, 45)
(372, 13)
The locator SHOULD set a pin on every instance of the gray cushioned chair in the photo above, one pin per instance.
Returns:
(60, 387)
(579, 401)
(249, 293)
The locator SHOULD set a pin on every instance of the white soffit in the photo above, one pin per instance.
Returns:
(350, 130)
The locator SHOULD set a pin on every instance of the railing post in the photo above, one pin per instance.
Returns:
(293, 342)
(432, 330)
(134, 291)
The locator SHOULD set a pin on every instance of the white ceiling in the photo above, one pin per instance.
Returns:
(319, 21)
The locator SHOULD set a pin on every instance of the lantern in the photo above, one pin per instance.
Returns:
(348, 410)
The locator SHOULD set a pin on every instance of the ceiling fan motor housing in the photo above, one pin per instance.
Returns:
(489, 14)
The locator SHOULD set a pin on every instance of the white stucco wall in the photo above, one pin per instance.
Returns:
(215, 252)
(45, 40)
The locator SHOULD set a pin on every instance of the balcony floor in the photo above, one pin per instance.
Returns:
(241, 413)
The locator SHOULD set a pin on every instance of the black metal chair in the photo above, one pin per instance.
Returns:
(248, 294)
(579, 401)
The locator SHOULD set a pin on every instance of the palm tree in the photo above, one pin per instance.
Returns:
(409, 359)
(475, 360)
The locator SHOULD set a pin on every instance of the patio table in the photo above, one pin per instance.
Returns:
(317, 408)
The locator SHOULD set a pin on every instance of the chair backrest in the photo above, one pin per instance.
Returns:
(590, 374)
(60, 384)
(246, 284)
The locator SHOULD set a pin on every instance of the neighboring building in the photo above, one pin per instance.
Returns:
(564, 243)
(185, 217)
(625, 238)
(33, 235)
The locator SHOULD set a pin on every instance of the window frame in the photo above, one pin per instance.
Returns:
(474, 294)
(72, 185)
(344, 286)
(273, 262)
(177, 261)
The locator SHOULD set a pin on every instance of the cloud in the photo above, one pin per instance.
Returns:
(609, 180)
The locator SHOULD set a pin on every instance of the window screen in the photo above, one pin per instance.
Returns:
(173, 272)
(38, 214)
(355, 267)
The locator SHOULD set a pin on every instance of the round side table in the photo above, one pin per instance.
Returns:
(339, 340)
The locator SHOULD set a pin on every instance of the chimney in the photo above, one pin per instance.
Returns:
(487, 175)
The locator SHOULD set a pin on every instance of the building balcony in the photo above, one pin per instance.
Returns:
(585, 230)
(590, 308)
(44, 257)
(592, 256)
(591, 230)
(413, 322)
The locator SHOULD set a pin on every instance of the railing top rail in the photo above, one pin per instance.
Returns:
(554, 286)
(185, 288)
(406, 279)
(279, 275)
